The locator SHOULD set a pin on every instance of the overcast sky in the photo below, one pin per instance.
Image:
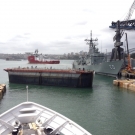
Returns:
(60, 26)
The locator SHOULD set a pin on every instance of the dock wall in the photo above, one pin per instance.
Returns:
(2, 90)
(127, 84)
(53, 79)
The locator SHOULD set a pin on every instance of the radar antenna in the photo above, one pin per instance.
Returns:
(36, 53)
(90, 42)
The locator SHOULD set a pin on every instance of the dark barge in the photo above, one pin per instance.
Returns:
(50, 77)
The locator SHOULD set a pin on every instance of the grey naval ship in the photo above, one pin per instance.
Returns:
(101, 63)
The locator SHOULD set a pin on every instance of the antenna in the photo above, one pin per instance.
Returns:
(27, 92)
(90, 41)
(101, 46)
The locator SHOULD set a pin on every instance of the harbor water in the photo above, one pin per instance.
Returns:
(104, 109)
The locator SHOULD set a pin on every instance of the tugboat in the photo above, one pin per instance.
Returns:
(40, 59)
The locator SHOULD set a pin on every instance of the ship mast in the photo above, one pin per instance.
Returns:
(90, 42)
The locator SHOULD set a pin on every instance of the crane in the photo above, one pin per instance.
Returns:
(127, 23)
(121, 26)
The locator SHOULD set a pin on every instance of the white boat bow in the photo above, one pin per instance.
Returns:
(29, 118)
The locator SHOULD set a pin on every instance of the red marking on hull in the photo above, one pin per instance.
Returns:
(32, 60)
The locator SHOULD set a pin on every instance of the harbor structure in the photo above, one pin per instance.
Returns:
(2, 90)
(125, 83)
(50, 77)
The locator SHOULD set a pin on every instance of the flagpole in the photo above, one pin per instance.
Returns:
(27, 92)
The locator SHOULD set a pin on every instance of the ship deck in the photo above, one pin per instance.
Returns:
(42, 70)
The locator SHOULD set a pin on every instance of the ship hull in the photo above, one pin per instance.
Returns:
(44, 62)
(112, 68)
(32, 60)
(49, 78)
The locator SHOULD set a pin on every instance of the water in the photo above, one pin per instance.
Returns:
(102, 110)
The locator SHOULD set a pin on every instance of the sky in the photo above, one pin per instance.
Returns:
(60, 26)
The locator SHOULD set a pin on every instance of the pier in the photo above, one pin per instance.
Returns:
(130, 75)
(2, 90)
(127, 84)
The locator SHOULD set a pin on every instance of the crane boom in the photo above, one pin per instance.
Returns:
(131, 10)
(120, 29)
(126, 24)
